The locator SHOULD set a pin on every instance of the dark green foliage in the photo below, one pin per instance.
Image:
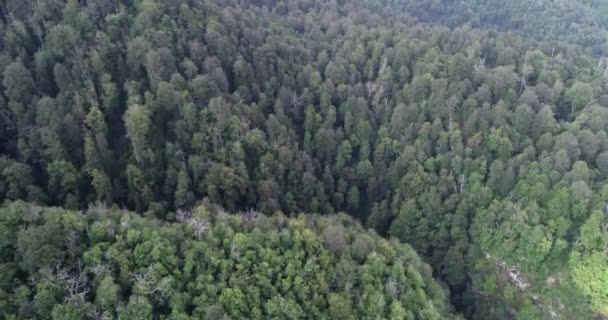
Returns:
(485, 151)
(582, 22)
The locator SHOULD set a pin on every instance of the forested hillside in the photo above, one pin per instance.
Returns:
(583, 22)
(485, 151)
(110, 264)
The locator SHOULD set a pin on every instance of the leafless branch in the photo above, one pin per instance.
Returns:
(74, 282)
(149, 284)
(523, 75)
(250, 216)
(392, 287)
(234, 251)
(462, 180)
(200, 226)
(220, 211)
(183, 215)
(99, 315)
(70, 243)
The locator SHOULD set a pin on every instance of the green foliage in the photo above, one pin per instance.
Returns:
(465, 143)
(18, 82)
(588, 262)
(107, 294)
(579, 21)
(211, 266)
(589, 275)
(579, 95)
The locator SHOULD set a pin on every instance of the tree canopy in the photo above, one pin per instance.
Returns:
(106, 263)
(474, 131)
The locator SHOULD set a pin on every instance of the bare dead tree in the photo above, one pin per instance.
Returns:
(372, 88)
(74, 282)
(4, 13)
(375, 89)
(70, 243)
(385, 104)
(124, 221)
(97, 314)
(305, 156)
(392, 287)
(276, 145)
(234, 251)
(220, 211)
(99, 208)
(452, 104)
(605, 229)
(523, 84)
(216, 137)
(200, 227)
(591, 102)
(296, 102)
(602, 65)
(37, 30)
(9, 17)
(383, 66)
(148, 283)
(462, 180)
(183, 215)
(250, 215)
(5, 115)
(243, 127)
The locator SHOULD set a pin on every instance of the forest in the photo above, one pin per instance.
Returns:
(207, 265)
(303, 159)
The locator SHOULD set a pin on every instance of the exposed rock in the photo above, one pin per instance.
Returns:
(514, 275)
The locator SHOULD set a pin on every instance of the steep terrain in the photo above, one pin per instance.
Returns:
(581, 22)
(113, 264)
(486, 151)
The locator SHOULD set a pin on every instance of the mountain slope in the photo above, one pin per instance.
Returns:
(486, 151)
(580, 22)
(107, 264)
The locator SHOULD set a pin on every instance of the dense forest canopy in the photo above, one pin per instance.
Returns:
(106, 264)
(582, 22)
(484, 150)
